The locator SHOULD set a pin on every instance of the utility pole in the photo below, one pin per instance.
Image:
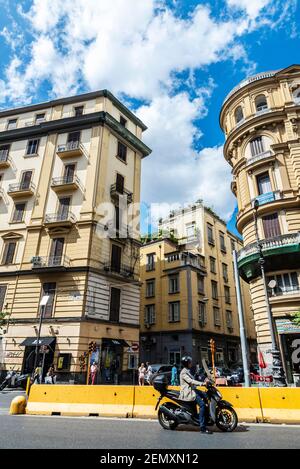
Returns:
(244, 345)
(277, 368)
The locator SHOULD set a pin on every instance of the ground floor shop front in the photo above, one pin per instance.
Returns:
(170, 347)
(67, 346)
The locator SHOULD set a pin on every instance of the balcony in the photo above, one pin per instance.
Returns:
(57, 219)
(21, 189)
(267, 198)
(4, 159)
(179, 259)
(70, 149)
(65, 183)
(53, 263)
(35, 122)
(258, 158)
(284, 291)
(281, 252)
(124, 271)
(117, 192)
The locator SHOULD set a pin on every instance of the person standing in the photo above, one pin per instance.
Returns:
(51, 374)
(142, 371)
(94, 371)
(37, 377)
(149, 373)
(174, 376)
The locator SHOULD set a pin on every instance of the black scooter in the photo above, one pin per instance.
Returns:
(14, 380)
(171, 414)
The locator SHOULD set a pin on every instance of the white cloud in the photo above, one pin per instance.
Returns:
(136, 48)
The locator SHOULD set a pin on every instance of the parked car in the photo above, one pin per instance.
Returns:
(159, 368)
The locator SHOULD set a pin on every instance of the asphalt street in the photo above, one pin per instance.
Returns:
(98, 433)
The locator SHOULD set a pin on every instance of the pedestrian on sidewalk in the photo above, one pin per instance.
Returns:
(37, 377)
(174, 376)
(94, 371)
(51, 378)
(142, 371)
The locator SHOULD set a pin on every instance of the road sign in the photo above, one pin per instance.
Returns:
(135, 347)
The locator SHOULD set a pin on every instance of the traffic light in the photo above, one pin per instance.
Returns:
(92, 347)
(212, 346)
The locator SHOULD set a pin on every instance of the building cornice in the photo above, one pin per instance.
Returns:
(75, 123)
(71, 319)
(75, 99)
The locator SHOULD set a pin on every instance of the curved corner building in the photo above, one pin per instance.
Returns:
(261, 121)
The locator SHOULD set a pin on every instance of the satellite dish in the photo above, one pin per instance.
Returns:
(272, 283)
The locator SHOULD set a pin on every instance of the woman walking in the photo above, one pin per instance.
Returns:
(142, 371)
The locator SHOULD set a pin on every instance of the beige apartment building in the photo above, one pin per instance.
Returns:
(261, 121)
(69, 172)
(188, 292)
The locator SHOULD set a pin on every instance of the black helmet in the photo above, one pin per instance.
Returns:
(186, 360)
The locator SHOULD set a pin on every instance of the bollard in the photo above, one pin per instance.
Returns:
(18, 405)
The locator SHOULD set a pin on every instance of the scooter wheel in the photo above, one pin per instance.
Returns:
(226, 419)
(163, 419)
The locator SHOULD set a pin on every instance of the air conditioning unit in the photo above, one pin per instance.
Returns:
(36, 260)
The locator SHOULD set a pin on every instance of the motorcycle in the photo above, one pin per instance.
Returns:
(171, 414)
(14, 380)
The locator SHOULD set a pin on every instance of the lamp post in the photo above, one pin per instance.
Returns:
(43, 304)
(277, 368)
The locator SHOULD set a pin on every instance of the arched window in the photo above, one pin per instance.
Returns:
(296, 96)
(261, 103)
(239, 116)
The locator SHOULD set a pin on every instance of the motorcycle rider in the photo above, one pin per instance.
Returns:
(188, 391)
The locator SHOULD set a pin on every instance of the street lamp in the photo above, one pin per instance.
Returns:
(43, 304)
(277, 368)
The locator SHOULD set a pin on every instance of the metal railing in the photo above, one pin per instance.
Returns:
(259, 157)
(122, 270)
(69, 146)
(60, 217)
(279, 291)
(4, 155)
(267, 198)
(116, 191)
(39, 262)
(184, 259)
(60, 181)
(21, 186)
(270, 243)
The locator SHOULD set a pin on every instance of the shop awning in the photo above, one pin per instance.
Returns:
(32, 341)
(114, 342)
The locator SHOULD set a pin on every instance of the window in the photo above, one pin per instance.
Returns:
(271, 226)
(219, 356)
(115, 301)
(225, 272)
(56, 251)
(4, 151)
(175, 357)
(227, 294)
(222, 242)
(63, 208)
(212, 261)
(202, 314)
(174, 311)
(78, 111)
(256, 146)
(39, 118)
(149, 314)
(239, 116)
(150, 262)
(214, 289)
(261, 103)
(12, 124)
(18, 212)
(120, 183)
(190, 231)
(48, 289)
(9, 252)
(26, 180)
(122, 151)
(217, 316)
(229, 322)
(116, 257)
(123, 121)
(174, 283)
(3, 289)
(32, 147)
(69, 172)
(150, 288)
(64, 361)
(285, 283)
(210, 235)
(232, 243)
(200, 280)
(73, 140)
(263, 183)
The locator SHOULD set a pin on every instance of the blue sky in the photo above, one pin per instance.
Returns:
(172, 61)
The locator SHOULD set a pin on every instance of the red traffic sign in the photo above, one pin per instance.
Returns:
(135, 347)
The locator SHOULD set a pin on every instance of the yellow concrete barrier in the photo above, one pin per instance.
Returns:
(18, 405)
(113, 401)
(280, 405)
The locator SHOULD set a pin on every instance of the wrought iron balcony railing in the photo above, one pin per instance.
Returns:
(267, 198)
(117, 191)
(279, 291)
(270, 243)
(21, 187)
(122, 270)
(70, 146)
(259, 157)
(39, 262)
(60, 217)
(64, 180)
